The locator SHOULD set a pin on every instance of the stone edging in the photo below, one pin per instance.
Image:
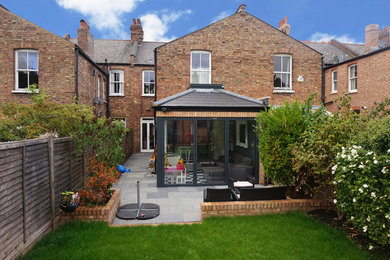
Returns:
(98, 213)
(244, 208)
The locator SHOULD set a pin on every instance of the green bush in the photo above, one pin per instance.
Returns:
(362, 181)
(278, 128)
(315, 151)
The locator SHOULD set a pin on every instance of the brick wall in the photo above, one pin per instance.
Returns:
(373, 81)
(244, 208)
(132, 105)
(55, 59)
(242, 51)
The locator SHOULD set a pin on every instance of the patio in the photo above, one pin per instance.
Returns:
(177, 204)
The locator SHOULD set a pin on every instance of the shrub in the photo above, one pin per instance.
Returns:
(362, 181)
(98, 188)
(315, 151)
(278, 128)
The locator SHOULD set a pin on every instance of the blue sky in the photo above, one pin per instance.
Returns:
(167, 19)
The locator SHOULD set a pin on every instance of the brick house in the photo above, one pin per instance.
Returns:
(359, 70)
(210, 85)
(30, 54)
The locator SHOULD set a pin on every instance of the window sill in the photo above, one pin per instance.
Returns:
(117, 95)
(283, 91)
(147, 95)
(332, 93)
(352, 91)
(21, 91)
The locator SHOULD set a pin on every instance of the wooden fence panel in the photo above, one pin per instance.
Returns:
(26, 207)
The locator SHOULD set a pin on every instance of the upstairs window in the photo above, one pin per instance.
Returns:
(352, 82)
(282, 72)
(116, 83)
(26, 69)
(148, 84)
(200, 67)
(334, 81)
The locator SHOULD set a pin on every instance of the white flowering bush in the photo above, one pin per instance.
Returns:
(362, 191)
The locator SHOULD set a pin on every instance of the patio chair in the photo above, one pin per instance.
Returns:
(264, 193)
(238, 179)
(215, 195)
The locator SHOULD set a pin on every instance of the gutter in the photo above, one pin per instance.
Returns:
(82, 53)
(322, 81)
(76, 90)
(107, 90)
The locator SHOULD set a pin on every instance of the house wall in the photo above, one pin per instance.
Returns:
(373, 82)
(132, 105)
(56, 60)
(242, 51)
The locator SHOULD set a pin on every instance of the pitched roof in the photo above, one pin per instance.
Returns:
(119, 51)
(206, 97)
(334, 54)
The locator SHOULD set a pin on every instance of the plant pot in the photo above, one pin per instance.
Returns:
(67, 208)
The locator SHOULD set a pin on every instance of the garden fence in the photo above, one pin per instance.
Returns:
(33, 173)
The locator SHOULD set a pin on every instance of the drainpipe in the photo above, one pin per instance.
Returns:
(322, 81)
(77, 74)
(107, 88)
(155, 98)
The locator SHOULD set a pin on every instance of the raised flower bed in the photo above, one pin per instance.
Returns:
(96, 213)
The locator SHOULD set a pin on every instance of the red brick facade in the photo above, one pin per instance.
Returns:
(56, 64)
(242, 51)
(373, 81)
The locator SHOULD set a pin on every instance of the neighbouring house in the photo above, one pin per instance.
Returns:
(132, 88)
(211, 83)
(30, 54)
(359, 70)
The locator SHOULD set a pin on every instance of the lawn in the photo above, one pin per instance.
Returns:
(292, 236)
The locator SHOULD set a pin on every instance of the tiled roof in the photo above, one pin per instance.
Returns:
(210, 97)
(119, 51)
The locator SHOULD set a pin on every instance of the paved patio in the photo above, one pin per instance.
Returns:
(177, 204)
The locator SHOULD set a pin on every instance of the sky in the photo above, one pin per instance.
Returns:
(164, 20)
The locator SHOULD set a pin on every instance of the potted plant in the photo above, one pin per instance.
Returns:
(70, 201)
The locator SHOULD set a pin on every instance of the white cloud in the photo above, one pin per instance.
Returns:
(220, 16)
(103, 14)
(156, 24)
(326, 37)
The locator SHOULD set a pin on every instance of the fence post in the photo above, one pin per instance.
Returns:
(52, 183)
(24, 192)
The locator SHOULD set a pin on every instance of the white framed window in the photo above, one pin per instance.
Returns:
(98, 87)
(148, 83)
(200, 67)
(334, 81)
(26, 69)
(352, 76)
(116, 83)
(242, 133)
(120, 119)
(282, 72)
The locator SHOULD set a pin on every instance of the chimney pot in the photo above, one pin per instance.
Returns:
(134, 21)
(138, 21)
(241, 9)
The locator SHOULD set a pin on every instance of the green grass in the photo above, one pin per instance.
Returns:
(282, 236)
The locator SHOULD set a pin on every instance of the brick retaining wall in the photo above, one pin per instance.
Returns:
(243, 208)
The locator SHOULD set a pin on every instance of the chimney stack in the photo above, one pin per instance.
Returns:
(284, 26)
(85, 38)
(241, 9)
(372, 38)
(136, 31)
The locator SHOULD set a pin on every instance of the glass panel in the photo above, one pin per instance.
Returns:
(178, 147)
(22, 60)
(33, 61)
(211, 151)
(285, 80)
(205, 59)
(335, 75)
(151, 88)
(33, 77)
(204, 77)
(277, 80)
(195, 77)
(242, 158)
(195, 61)
(286, 64)
(116, 88)
(146, 88)
(151, 135)
(144, 141)
(22, 79)
(146, 76)
(152, 76)
(277, 63)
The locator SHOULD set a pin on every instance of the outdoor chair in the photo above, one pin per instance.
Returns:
(239, 179)
(214, 195)
(264, 193)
